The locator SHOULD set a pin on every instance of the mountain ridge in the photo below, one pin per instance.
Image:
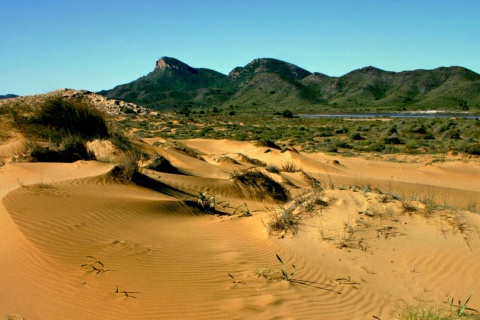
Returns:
(8, 96)
(272, 83)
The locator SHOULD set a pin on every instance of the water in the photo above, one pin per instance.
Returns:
(414, 115)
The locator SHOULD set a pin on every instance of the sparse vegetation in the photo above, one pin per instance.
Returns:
(451, 312)
(127, 166)
(261, 185)
(205, 202)
(272, 169)
(96, 265)
(274, 274)
(161, 164)
(290, 167)
(287, 219)
(267, 143)
(58, 118)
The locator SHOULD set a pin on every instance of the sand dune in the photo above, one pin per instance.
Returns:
(77, 244)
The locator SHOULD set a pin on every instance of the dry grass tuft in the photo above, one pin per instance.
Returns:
(261, 185)
(290, 167)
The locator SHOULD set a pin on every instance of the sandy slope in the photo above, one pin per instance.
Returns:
(359, 258)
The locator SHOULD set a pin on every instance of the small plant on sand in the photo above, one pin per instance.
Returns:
(286, 276)
(14, 317)
(283, 222)
(287, 218)
(127, 167)
(127, 294)
(235, 280)
(243, 210)
(96, 265)
(290, 167)
(274, 274)
(314, 183)
(205, 202)
(408, 207)
(461, 309)
(425, 312)
(254, 161)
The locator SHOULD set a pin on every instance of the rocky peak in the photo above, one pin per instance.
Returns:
(167, 63)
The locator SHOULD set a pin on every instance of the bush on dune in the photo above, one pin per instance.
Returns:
(263, 185)
(58, 118)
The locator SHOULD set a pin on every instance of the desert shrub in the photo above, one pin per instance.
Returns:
(121, 142)
(289, 167)
(429, 136)
(333, 149)
(127, 110)
(127, 167)
(444, 126)
(393, 139)
(72, 149)
(391, 130)
(451, 134)
(356, 136)
(58, 118)
(239, 136)
(267, 143)
(283, 221)
(426, 312)
(473, 149)
(420, 129)
(254, 161)
(262, 185)
(341, 130)
(272, 169)
(343, 144)
(287, 219)
(287, 114)
(412, 146)
(162, 164)
(376, 147)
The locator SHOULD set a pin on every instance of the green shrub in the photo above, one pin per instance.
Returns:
(72, 149)
(287, 113)
(473, 149)
(267, 143)
(356, 136)
(343, 144)
(376, 147)
(127, 167)
(263, 185)
(393, 139)
(451, 134)
(58, 118)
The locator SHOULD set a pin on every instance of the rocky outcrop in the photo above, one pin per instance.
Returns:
(109, 106)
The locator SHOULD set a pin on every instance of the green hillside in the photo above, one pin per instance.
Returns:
(8, 96)
(172, 84)
(273, 84)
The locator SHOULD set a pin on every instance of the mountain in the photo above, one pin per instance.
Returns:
(8, 96)
(440, 88)
(172, 84)
(272, 83)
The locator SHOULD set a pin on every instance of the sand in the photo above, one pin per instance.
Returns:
(77, 244)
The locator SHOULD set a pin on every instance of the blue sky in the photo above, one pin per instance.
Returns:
(95, 45)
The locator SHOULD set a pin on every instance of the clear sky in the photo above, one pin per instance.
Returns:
(98, 44)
